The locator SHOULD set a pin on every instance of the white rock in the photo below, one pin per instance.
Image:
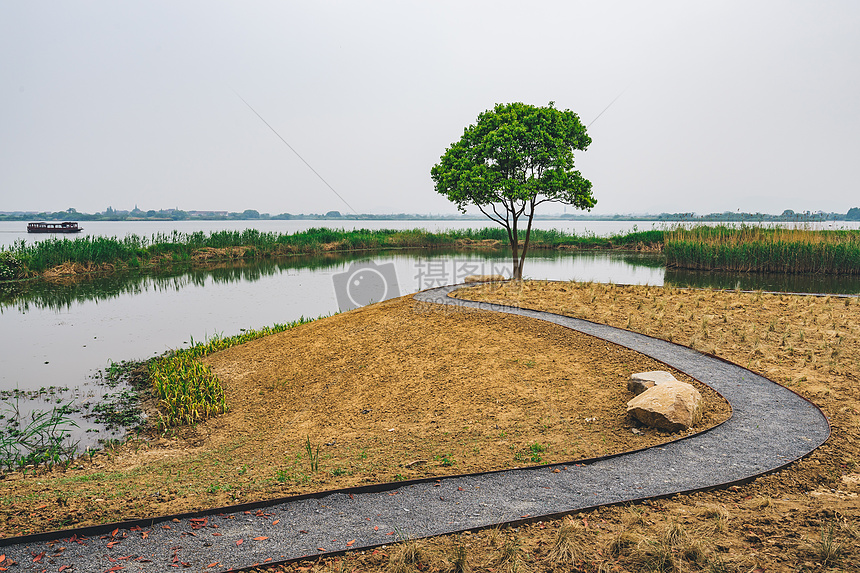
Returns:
(671, 406)
(641, 381)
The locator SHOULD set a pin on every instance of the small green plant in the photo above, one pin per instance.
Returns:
(447, 460)
(313, 455)
(536, 451)
(827, 550)
(243, 470)
(339, 472)
(399, 477)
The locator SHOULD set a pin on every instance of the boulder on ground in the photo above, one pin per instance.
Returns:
(484, 278)
(672, 406)
(641, 381)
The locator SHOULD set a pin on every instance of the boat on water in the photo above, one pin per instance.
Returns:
(64, 227)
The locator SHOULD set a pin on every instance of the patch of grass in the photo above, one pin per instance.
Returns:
(827, 550)
(567, 547)
(188, 391)
(458, 560)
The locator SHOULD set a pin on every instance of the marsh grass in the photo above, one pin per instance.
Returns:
(187, 390)
(94, 253)
(763, 249)
(42, 438)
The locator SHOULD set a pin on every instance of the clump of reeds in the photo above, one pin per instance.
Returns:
(763, 249)
(187, 389)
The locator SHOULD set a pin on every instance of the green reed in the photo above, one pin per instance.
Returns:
(133, 251)
(188, 391)
(763, 249)
(42, 438)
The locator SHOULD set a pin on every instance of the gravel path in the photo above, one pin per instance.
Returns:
(770, 427)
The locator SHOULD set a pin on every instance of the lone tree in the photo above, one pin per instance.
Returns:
(514, 158)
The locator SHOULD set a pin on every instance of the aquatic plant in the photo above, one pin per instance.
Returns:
(763, 249)
(188, 391)
(43, 437)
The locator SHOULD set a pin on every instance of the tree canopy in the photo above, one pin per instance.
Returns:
(514, 158)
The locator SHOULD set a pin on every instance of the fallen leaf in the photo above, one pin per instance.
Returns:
(212, 565)
(165, 527)
(276, 522)
(376, 528)
(390, 533)
(267, 559)
(38, 558)
(261, 538)
(64, 567)
(175, 520)
(43, 506)
(320, 548)
(216, 534)
(2, 558)
(144, 535)
(115, 568)
(238, 542)
(114, 532)
(349, 543)
(111, 544)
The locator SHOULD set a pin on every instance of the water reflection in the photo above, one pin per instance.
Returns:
(830, 284)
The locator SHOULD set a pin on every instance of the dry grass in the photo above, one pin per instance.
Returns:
(567, 547)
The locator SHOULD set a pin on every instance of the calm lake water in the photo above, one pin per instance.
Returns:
(63, 335)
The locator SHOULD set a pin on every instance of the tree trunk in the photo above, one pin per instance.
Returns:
(525, 244)
(517, 273)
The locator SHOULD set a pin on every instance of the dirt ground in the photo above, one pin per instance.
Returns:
(400, 390)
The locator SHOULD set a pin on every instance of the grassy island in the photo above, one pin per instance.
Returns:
(723, 248)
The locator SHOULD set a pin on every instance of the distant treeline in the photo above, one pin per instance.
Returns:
(110, 214)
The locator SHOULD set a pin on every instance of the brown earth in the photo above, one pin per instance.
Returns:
(392, 391)
(802, 518)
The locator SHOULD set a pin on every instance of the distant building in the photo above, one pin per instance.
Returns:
(208, 213)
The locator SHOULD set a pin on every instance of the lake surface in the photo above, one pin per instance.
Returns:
(64, 334)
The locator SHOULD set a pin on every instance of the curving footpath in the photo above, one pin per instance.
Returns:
(771, 427)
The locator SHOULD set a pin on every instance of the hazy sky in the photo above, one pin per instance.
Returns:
(751, 106)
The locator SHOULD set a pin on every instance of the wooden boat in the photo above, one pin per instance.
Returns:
(64, 227)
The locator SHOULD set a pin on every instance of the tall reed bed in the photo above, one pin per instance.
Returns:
(188, 391)
(132, 251)
(763, 249)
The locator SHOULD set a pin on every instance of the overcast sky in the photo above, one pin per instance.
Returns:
(724, 106)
